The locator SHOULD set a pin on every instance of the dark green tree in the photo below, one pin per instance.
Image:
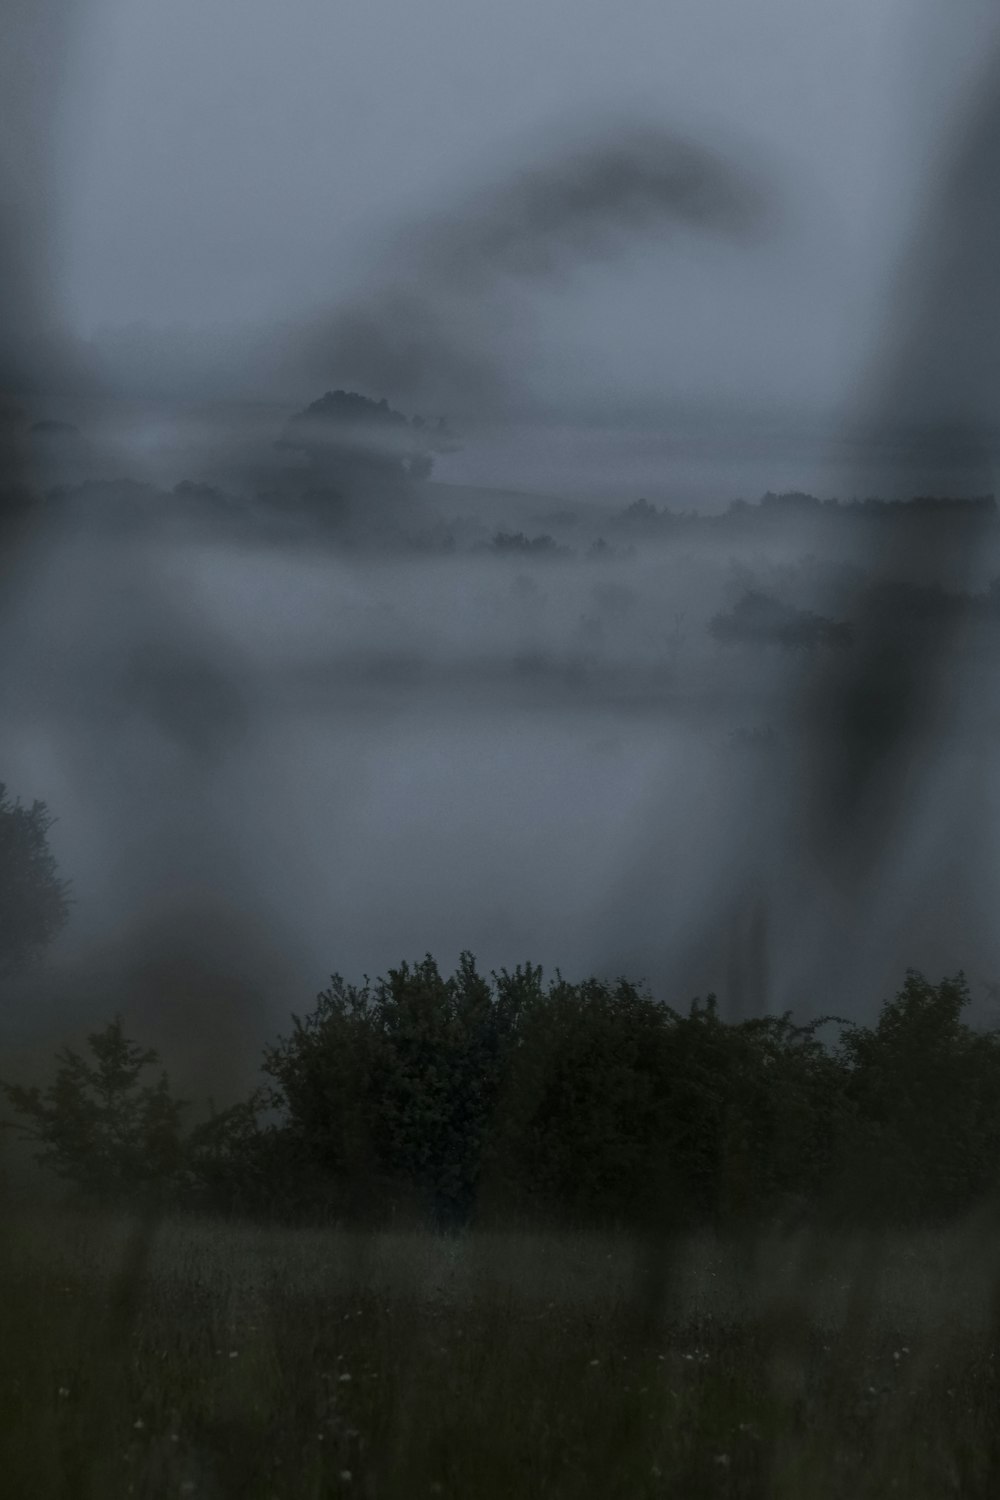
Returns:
(390, 1088)
(239, 1160)
(99, 1123)
(34, 902)
(585, 1107)
(925, 1091)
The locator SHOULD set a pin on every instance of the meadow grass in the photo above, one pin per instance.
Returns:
(190, 1357)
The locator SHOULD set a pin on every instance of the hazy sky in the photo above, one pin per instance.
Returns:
(236, 160)
(223, 162)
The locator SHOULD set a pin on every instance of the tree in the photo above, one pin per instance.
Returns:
(757, 619)
(34, 902)
(357, 445)
(924, 1086)
(98, 1123)
(391, 1088)
(586, 1103)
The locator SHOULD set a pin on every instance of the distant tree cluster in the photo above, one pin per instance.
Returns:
(916, 611)
(795, 502)
(795, 505)
(353, 443)
(512, 1099)
(641, 513)
(518, 543)
(758, 619)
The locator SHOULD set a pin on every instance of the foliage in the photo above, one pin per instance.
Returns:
(586, 1100)
(512, 1099)
(98, 1123)
(34, 902)
(395, 1083)
(235, 1161)
(594, 1102)
(924, 1090)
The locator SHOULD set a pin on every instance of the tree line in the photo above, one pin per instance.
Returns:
(464, 1098)
(979, 511)
(511, 1098)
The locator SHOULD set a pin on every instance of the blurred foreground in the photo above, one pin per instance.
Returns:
(207, 1358)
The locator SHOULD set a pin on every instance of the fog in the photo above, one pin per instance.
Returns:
(300, 707)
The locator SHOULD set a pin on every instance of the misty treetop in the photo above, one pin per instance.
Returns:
(350, 439)
(510, 1098)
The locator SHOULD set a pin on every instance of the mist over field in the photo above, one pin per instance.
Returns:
(488, 720)
(293, 716)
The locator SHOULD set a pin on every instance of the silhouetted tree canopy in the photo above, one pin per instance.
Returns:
(515, 1100)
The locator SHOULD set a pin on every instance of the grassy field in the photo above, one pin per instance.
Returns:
(192, 1358)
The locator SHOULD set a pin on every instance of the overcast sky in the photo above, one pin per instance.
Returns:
(223, 162)
(231, 161)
